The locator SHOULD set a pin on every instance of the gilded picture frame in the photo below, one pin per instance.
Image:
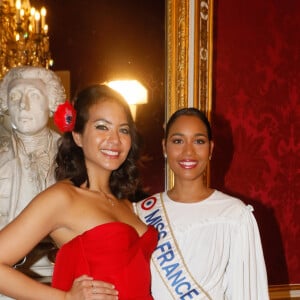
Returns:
(189, 34)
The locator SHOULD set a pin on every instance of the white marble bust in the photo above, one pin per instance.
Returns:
(28, 98)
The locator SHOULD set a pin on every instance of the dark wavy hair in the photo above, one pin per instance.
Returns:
(189, 111)
(70, 158)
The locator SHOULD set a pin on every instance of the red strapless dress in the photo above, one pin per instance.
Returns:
(111, 252)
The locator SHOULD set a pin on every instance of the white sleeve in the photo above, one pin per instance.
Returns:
(246, 270)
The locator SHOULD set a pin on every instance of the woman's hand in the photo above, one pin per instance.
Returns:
(85, 288)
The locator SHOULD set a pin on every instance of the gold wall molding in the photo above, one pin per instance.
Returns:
(179, 33)
(177, 54)
(203, 55)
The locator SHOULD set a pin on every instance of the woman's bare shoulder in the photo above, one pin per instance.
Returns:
(63, 186)
(61, 192)
(48, 211)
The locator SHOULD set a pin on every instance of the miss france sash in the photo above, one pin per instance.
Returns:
(167, 257)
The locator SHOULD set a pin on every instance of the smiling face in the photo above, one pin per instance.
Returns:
(188, 147)
(106, 139)
(28, 105)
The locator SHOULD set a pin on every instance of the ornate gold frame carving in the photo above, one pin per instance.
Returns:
(178, 30)
(177, 12)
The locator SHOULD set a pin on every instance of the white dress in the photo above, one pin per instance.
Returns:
(220, 242)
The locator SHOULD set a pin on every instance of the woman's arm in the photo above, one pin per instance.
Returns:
(17, 239)
(46, 213)
(246, 271)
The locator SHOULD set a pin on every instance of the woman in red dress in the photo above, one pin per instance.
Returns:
(86, 212)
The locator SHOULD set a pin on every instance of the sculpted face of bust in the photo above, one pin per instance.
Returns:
(28, 105)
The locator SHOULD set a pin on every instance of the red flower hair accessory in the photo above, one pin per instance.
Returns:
(65, 116)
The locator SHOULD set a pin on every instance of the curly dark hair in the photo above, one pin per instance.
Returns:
(70, 158)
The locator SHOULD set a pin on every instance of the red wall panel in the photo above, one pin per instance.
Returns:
(256, 118)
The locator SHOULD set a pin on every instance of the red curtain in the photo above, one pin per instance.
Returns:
(256, 118)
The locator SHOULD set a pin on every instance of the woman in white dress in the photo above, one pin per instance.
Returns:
(209, 245)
